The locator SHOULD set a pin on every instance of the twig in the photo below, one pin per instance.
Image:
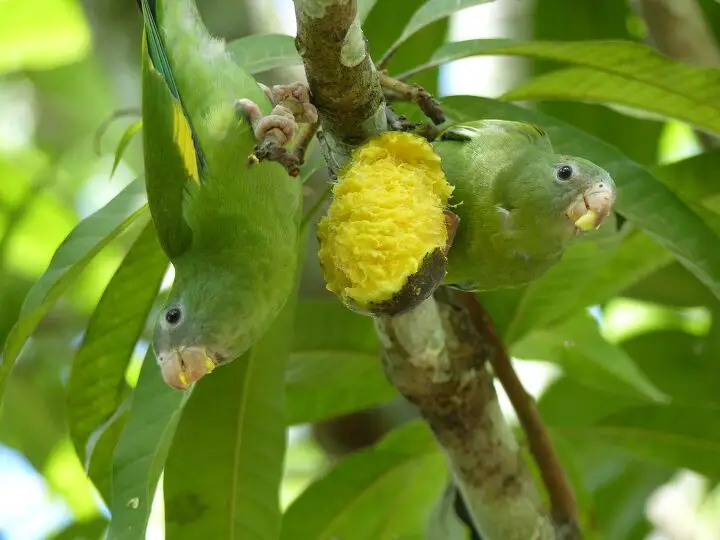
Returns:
(415, 93)
(562, 499)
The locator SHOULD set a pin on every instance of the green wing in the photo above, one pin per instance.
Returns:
(172, 154)
(465, 132)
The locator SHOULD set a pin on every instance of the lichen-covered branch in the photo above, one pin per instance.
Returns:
(342, 78)
(432, 354)
(438, 361)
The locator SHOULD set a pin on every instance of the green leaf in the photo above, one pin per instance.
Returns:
(328, 325)
(97, 378)
(83, 243)
(675, 362)
(621, 72)
(334, 368)
(381, 492)
(99, 467)
(324, 384)
(601, 86)
(560, 291)
(226, 461)
(637, 257)
(680, 436)
(428, 13)
(82, 530)
(141, 452)
(260, 52)
(125, 140)
(457, 50)
(364, 7)
(580, 349)
(641, 198)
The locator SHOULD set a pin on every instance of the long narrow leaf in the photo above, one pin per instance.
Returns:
(141, 451)
(383, 492)
(97, 378)
(225, 465)
(83, 243)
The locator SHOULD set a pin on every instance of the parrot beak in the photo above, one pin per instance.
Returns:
(592, 208)
(180, 368)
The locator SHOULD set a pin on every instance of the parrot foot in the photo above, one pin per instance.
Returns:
(397, 122)
(396, 89)
(291, 105)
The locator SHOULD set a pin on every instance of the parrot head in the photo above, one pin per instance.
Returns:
(203, 325)
(588, 192)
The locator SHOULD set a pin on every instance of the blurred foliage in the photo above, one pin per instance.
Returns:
(634, 402)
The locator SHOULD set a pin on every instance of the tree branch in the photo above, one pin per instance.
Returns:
(437, 360)
(434, 354)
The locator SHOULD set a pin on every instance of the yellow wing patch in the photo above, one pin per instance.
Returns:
(182, 135)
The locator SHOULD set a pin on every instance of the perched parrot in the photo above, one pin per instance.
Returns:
(520, 204)
(230, 229)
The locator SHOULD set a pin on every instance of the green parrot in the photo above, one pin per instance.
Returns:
(230, 229)
(520, 204)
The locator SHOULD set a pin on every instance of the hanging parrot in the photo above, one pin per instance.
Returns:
(520, 203)
(229, 228)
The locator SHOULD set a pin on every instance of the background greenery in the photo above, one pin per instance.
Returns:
(629, 388)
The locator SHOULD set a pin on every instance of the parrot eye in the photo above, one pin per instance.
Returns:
(564, 172)
(173, 315)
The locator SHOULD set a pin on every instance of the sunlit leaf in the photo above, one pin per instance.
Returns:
(596, 86)
(28, 41)
(641, 198)
(141, 451)
(97, 379)
(621, 72)
(226, 460)
(260, 52)
(382, 492)
(85, 241)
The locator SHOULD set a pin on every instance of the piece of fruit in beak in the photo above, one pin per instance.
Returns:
(593, 207)
(183, 367)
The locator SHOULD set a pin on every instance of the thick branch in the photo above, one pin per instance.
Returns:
(342, 78)
(433, 354)
(437, 360)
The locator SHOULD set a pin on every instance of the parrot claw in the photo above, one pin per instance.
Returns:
(291, 105)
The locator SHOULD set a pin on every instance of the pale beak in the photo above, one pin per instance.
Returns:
(593, 207)
(181, 368)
